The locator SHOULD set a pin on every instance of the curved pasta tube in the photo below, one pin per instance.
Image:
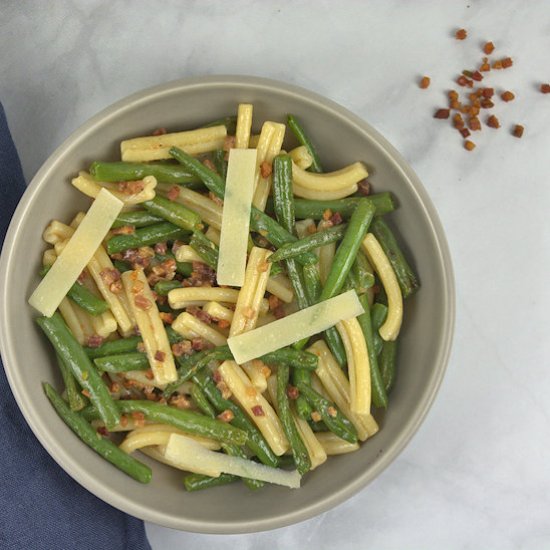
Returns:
(323, 195)
(329, 181)
(334, 445)
(85, 183)
(180, 298)
(301, 157)
(377, 257)
(358, 365)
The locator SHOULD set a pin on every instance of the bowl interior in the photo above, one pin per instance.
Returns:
(341, 138)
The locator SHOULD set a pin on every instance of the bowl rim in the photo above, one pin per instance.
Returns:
(78, 472)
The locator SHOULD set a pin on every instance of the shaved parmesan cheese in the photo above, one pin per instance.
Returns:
(191, 456)
(290, 329)
(239, 189)
(76, 254)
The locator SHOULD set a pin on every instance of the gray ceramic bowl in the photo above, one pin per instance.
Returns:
(341, 138)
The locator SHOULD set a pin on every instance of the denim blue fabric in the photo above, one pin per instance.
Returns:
(41, 507)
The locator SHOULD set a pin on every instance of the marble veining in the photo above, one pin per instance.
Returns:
(476, 475)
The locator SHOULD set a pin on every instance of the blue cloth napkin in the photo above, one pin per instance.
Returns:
(41, 507)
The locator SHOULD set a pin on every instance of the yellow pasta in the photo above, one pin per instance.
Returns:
(194, 142)
(190, 327)
(86, 184)
(151, 328)
(244, 125)
(377, 257)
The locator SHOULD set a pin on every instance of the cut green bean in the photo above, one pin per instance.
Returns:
(307, 208)
(387, 362)
(378, 314)
(292, 358)
(336, 422)
(173, 336)
(259, 221)
(304, 140)
(121, 266)
(220, 163)
(74, 357)
(76, 400)
(346, 252)
(162, 288)
(104, 447)
(378, 392)
(190, 365)
(205, 248)
(83, 297)
(311, 242)
(256, 442)
(303, 408)
(173, 212)
(202, 403)
(187, 421)
(363, 272)
(299, 451)
(198, 482)
(152, 234)
(137, 218)
(336, 346)
(129, 171)
(312, 283)
(406, 277)
(122, 362)
(124, 345)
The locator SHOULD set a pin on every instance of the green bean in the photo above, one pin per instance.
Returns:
(145, 236)
(378, 392)
(137, 218)
(378, 314)
(312, 283)
(162, 288)
(74, 357)
(128, 171)
(198, 482)
(387, 362)
(303, 408)
(346, 252)
(259, 221)
(191, 364)
(76, 400)
(220, 162)
(284, 211)
(83, 297)
(299, 451)
(124, 345)
(187, 421)
(183, 268)
(230, 122)
(292, 358)
(311, 242)
(104, 447)
(256, 443)
(202, 403)
(122, 362)
(121, 266)
(303, 139)
(406, 277)
(363, 272)
(336, 346)
(173, 212)
(318, 426)
(336, 422)
(173, 336)
(205, 248)
(307, 208)
(282, 191)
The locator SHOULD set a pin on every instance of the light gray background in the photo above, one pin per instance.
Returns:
(477, 474)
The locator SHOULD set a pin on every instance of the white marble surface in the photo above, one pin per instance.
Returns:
(477, 474)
